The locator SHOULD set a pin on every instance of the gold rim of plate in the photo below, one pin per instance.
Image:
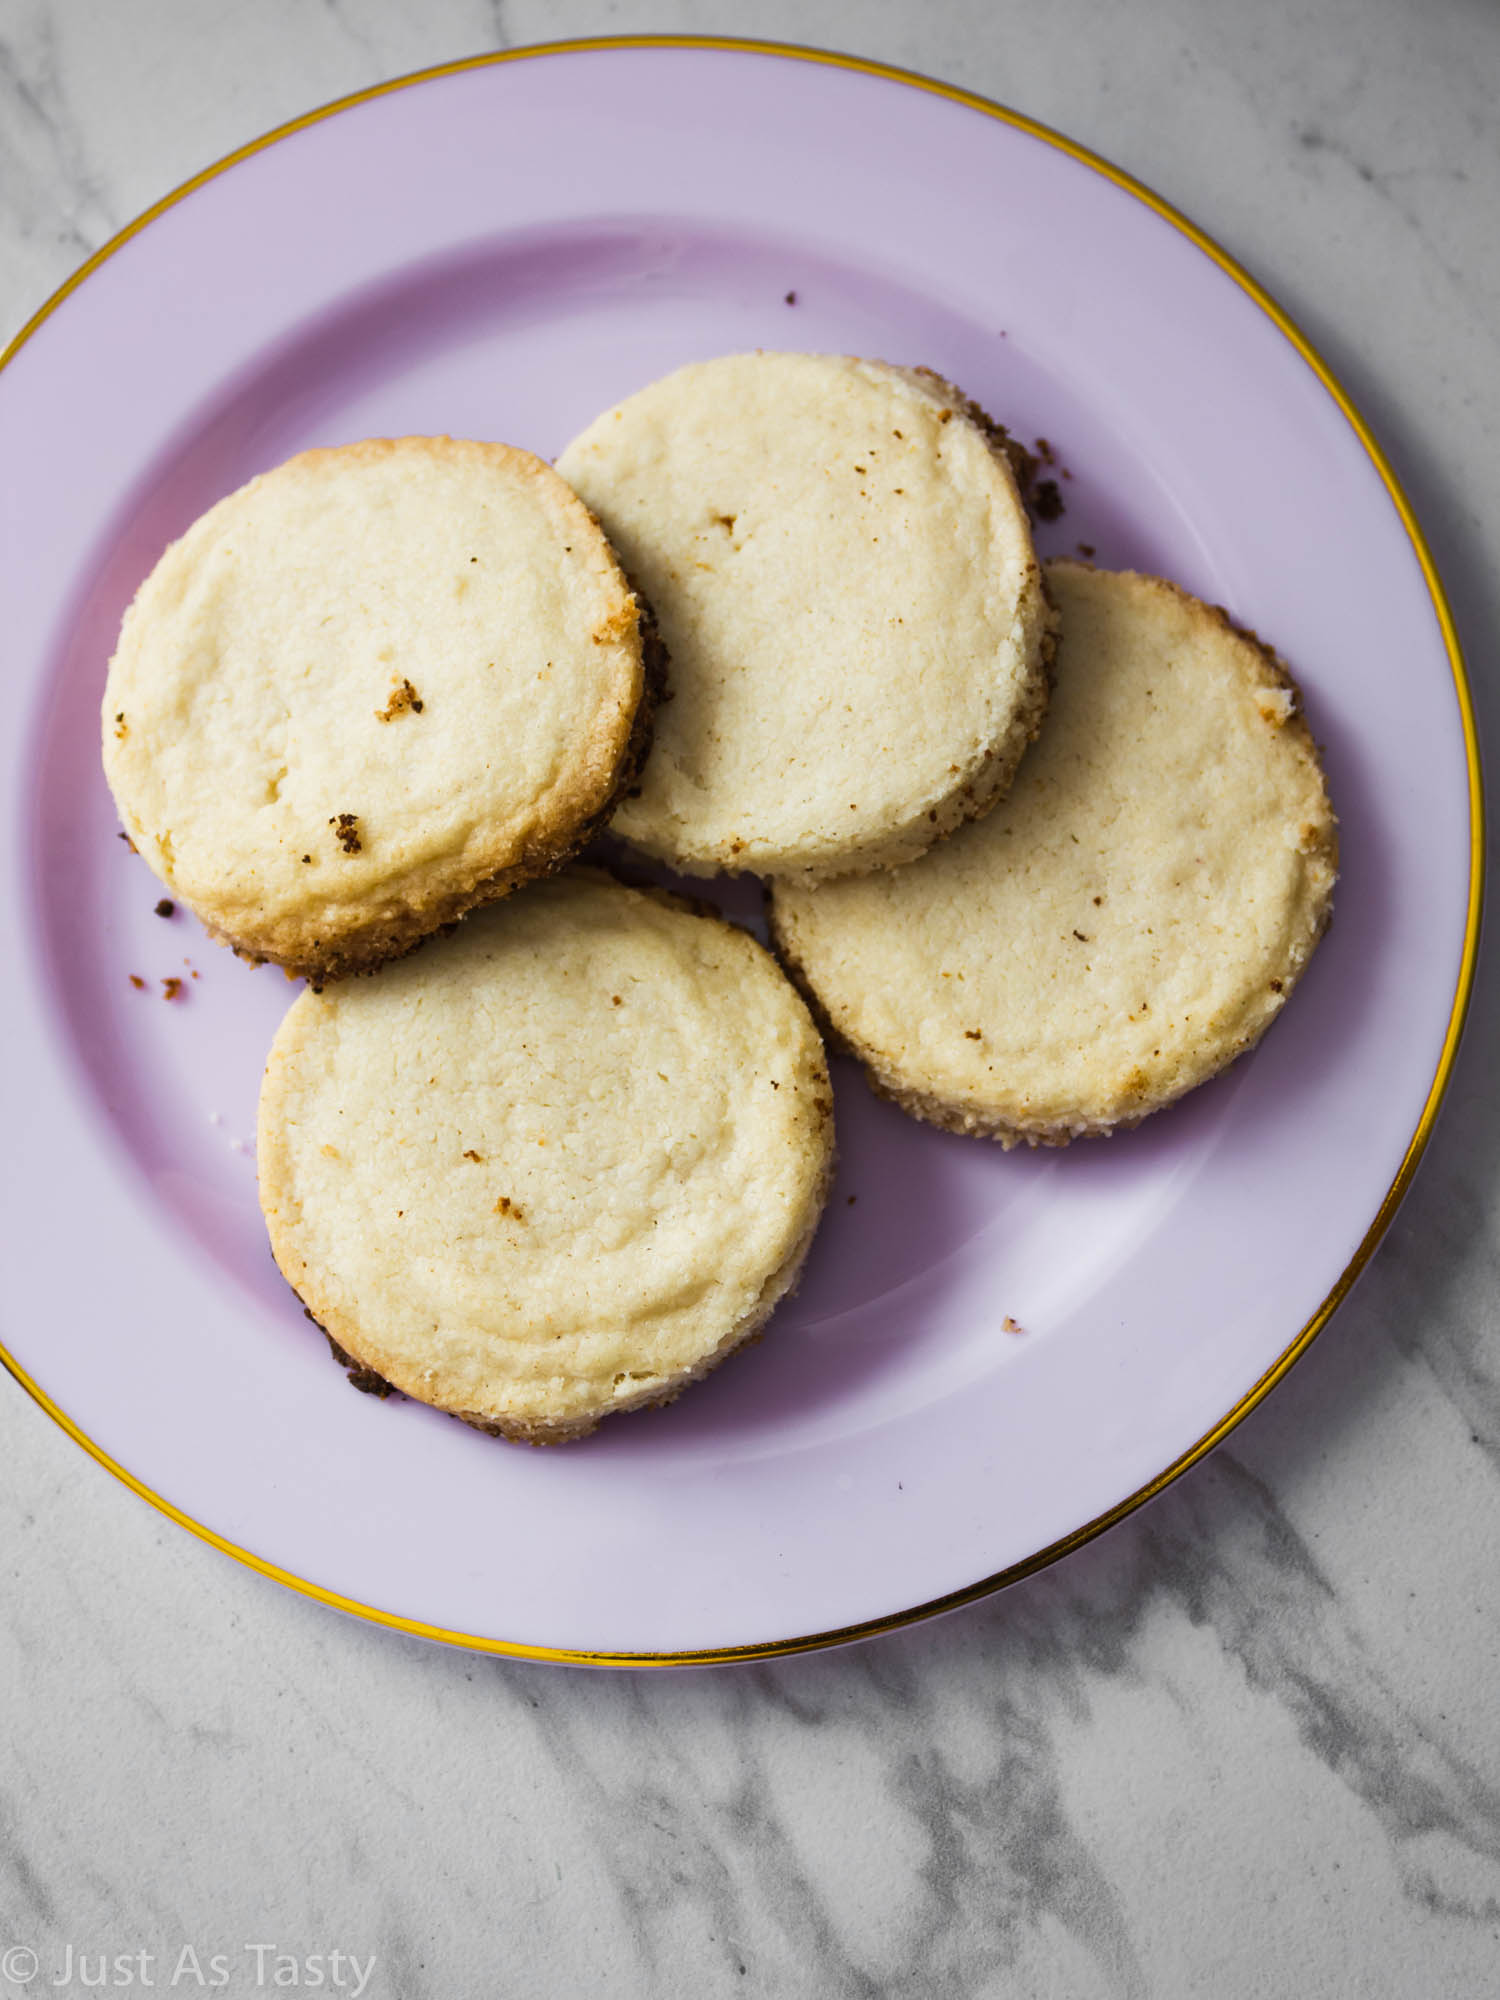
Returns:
(1043, 1558)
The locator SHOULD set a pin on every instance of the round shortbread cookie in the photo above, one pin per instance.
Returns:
(859, 632)
(556, 1166)
(370, 690)
(1132, 917)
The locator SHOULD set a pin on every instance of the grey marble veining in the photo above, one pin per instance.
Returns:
(1248, 1743)
(55, 209)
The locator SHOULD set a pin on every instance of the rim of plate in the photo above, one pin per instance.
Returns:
(1416, 1145)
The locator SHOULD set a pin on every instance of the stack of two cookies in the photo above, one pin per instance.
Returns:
(1030, 948)
(560, 1163)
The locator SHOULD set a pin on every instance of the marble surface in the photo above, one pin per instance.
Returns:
(1249, 1743)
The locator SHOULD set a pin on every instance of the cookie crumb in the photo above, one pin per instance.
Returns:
(171, 989)
(402, 698)
(470, 1154)
(973, 1035)
(853, 1199)
(1085, 548)
(166, 907)
(790, 299)
(1047, 502)
(137, 982)
(1012, 1325)
(128, 842)
(505, 1206)
(346, 832)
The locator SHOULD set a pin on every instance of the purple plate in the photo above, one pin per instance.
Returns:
(499, 250)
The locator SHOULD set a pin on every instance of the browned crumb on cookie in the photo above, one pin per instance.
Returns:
(403, 698)
(367, 951)
(470, 1154)
(505, 1206)
(122, 728)
(128, 842)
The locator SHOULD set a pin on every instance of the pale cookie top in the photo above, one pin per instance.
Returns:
(555, 1164)
(841, 566)
(1132, 916)
(368, 689)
